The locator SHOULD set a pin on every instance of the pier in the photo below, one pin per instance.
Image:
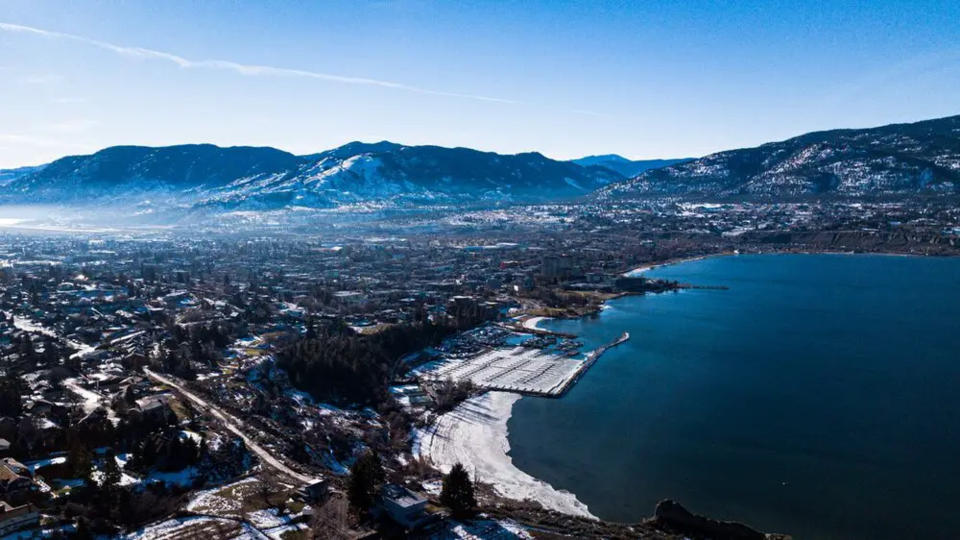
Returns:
(520, 370)
(591, 359)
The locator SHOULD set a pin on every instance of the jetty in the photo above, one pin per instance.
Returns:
(591, 359)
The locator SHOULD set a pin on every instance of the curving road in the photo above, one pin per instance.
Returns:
(235, 426)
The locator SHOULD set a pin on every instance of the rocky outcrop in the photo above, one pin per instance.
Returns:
(672, 515)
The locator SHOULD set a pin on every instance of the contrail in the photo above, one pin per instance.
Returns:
(243, 69)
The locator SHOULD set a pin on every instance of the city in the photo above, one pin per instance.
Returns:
(171, 364)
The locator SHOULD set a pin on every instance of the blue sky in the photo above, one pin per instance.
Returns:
(644, 79)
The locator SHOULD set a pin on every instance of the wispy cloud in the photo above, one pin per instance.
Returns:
(243, 69)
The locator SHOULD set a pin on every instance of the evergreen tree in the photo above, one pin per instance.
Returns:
(51, 355)
(366, 477)
(111, 473)
(27, 351)
(79, 460)
(457, 493)
(11, 391)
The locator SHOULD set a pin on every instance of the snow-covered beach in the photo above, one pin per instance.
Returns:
(475, 434)
(637, 272)
(533, 322)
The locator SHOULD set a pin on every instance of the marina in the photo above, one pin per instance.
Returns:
(521, 369)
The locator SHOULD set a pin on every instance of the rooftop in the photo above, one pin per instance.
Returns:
(401, 496)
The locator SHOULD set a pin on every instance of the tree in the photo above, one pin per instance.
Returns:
(27, 351)
(51, 355)
(11, 391)
(457, 493)
(79, 460)
(330, 521)
(366, 477)
(111, 473)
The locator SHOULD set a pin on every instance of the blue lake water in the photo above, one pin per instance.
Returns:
(819, 396)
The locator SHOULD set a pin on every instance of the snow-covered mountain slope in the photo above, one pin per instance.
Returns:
(9, 175)
(627, 167)
(922, 157)
(388, 174)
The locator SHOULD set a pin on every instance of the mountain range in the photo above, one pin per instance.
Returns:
(627, 167)
(384, 173)
(898, 159)
(901, 159)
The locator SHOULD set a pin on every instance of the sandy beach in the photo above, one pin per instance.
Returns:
(475, 434)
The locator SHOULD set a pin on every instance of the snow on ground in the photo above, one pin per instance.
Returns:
(218, 500)
(278, 532)
(125, 479)
(637, 272)
(34, 465)
(532, 322)
(482, 529)
(433, 487)
(91, 400)
(197, 438)
(267, 519)
(33, 534)
(181, 478)
(475, 434)
(28, 325)
(195, 527)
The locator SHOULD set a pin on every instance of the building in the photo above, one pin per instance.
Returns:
(556, 267)
(313, 492)
(404, 506)
(13, 519)
(350, 298)
(14, 478)
(154, 406)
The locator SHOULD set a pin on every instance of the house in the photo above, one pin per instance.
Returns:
(313, 492)
(404, 506)
(15, 466)
(350, 298)
(13, 519)
(154, 406)
(14, 479)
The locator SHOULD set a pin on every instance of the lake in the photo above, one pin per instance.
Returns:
(819, 396)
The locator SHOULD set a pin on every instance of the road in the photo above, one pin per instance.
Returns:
(235, 426)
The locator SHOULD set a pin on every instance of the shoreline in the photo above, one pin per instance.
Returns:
(475, 434)
(670, 262)
(532, 323)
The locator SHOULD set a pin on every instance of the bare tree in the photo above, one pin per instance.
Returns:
(331, 521)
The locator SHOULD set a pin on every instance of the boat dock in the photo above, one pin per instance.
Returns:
(520, 370)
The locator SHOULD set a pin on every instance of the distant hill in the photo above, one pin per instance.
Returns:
(923, 157)
(9, 175)
(627, 167)
(381, 173)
